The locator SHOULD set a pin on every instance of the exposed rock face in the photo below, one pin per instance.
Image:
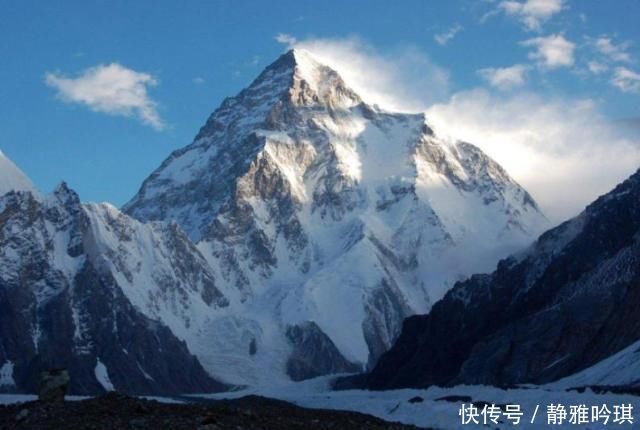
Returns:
(314, 354)
(70, 297)
(315, 209)
(567, 303)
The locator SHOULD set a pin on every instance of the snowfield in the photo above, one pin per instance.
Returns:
(436, 411)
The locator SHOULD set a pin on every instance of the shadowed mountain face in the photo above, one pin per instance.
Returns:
(63, 302)
(330, 219)
(568, 302)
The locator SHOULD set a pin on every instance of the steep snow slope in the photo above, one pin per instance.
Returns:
(327, 221)
(12, 178)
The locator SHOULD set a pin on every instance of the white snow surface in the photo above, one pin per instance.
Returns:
(102, 375)
(9, 399)
(394, 405)
(622, 369)
(12, 178)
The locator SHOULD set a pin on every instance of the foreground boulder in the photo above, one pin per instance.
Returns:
(53, 385)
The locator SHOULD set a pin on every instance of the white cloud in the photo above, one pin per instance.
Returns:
(551, 52)
(198, 80)
(564, 152)
(445, 37)
(403, 80)
(286, 39)
(605, 46)
(597, 67)
(626, 80)
(112, 89)
(505, 78)
(532, 13)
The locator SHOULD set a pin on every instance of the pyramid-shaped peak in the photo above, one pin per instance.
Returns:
(311, 80)
(297, 58)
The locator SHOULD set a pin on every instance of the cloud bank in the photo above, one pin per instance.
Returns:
(564, 152)
(112, 89)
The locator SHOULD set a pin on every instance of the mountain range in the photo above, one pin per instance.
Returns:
(291, 239)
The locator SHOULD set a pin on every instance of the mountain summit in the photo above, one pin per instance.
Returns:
(326, 221)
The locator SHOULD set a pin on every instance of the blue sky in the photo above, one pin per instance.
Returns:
(178, 60)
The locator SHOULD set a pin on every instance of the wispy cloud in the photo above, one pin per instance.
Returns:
(112, 89)
(505, 78)
(444, 37)
(626, 80)
(615, 52)
(597, 68)
(531, 13)
(286, 39)
(403, 79)
(552, 51)
(198, 80)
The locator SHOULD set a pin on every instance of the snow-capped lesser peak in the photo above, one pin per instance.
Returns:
(12, 178)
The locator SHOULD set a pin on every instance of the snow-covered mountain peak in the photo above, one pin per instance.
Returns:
(324, 218)
(12, 178)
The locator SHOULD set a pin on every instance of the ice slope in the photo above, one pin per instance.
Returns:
(12, 178)
(621, 369)
(312, 206)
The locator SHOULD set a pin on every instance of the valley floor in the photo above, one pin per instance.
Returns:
(439, 407)
(311, 404)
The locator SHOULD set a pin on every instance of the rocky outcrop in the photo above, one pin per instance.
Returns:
(314, 354)
(565, 304)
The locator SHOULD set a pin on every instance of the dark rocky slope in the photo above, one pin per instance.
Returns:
(568, 302)
(61, 307)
